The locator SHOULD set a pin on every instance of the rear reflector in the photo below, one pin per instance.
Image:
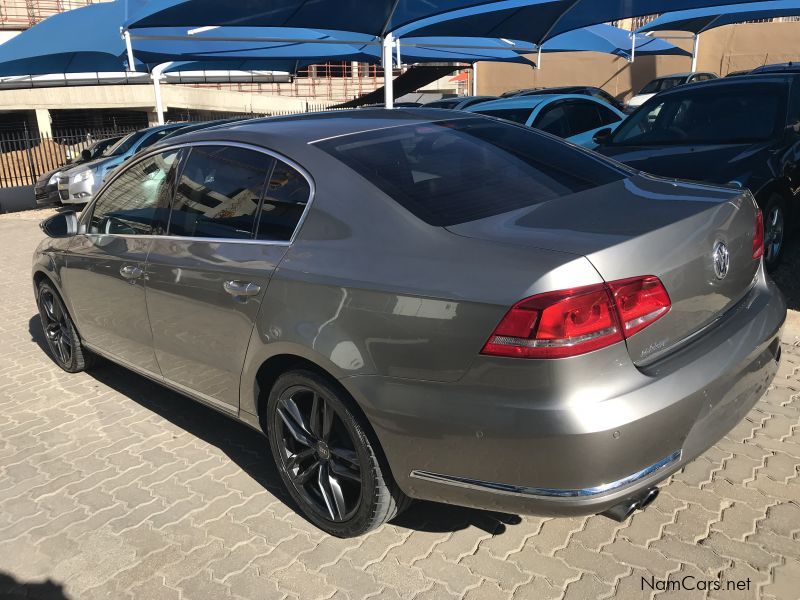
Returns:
(580, 320)
(758, 237)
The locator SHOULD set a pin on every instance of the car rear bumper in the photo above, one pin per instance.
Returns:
(540, 438)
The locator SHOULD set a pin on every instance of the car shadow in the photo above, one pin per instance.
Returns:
(13, 589)
(250, 450)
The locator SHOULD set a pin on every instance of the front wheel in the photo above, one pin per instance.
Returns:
(59, 331)
(325, 457)
(774, 231)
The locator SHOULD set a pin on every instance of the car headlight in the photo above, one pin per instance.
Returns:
(54, 179)
(83, 176)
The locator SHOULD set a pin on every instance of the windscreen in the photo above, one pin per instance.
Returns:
(708, 115)
(125, 144)
(455, 171)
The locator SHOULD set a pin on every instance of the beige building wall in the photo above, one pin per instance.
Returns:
(722, 50)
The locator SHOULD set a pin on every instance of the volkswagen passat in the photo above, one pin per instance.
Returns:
(424, 304)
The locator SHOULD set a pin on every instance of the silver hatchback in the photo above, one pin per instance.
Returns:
(425, 304)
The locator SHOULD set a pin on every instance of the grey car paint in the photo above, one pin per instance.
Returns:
(397, 311)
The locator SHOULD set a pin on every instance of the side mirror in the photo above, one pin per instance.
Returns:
(62, 225)
(602, 136)
(86, 155)
(794, 127)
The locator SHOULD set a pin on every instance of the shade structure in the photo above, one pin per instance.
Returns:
(610, 40)
(537, 21)
(230, 45)
(702, 19)
(62, 43)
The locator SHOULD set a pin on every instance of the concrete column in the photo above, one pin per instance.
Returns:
(43, 123)
(152, 118)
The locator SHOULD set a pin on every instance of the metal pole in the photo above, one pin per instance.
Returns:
(129, 47)
(156, 75)
(388, 80)
(694, 52)
(539, 59)
(633, 47)
(475, 79)
(399, 62)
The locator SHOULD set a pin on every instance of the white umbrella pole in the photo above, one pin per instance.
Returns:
(539, 58)
(695, 51)
(129, 48)
(158, 70)
(387, 63)
(474, 79)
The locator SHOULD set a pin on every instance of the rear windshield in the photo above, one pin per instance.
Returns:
(455, 171)
(659, 85)
(706, 116)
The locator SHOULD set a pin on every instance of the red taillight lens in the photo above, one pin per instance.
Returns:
(640, 302)
(572, 322)
(758, 237)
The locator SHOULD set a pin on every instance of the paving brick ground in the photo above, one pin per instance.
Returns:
(112, 487)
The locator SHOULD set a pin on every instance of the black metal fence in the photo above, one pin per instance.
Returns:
(25, 157)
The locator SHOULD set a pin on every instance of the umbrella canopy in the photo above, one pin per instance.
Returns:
(309, 46)
(702, 19)
(537, 21)
(610, 40)
(59, 44)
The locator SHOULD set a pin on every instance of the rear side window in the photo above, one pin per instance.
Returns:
(451, 172)
(515, 115)
(285, 199)
(219, 192)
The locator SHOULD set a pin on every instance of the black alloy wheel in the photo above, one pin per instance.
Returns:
(325, 457)
(774, 231)
(59, 331)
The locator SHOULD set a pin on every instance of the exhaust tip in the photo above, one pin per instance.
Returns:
(625, 509)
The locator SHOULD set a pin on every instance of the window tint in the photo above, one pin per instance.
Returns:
(135, 203)
(284, 202)
(515, 115)
(450, 172)
(583, 116)
(553, 120)
(703, 115)
(218, 193)
(607, 116)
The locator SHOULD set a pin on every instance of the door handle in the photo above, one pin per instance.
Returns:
(241, 288)
(131, 272)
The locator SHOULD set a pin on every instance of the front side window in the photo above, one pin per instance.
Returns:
(706, 116)
(583, 116)
(454, 171)
(219, 192)
(135, 203)
(553, 120)
(285, 199)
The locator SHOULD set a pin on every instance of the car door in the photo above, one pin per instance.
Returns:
(234, 213)
(104, 274)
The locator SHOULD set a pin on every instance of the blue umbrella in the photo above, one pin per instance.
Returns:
(702, 19)
(57, 44)
(610, 40)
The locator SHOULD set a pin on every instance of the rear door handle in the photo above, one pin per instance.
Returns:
(131, 272)
(241, 288)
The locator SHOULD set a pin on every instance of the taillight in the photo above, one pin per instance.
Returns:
(572, 322)
(758, 236)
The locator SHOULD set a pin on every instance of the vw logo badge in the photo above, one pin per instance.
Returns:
(722, 260)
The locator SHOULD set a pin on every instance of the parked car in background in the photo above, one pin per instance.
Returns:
(581, 90)
(743, 131)
(424, 304)
(512, 93)
(789, 67)
(662, 84)
(77, 185)
(572, 117)
(46, 188)
(459, 103)
(200, 126)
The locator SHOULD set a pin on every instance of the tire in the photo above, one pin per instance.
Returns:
(62, 338)
(774, 231)
(320, 457)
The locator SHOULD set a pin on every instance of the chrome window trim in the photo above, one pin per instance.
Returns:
(87, 213)
(535, 492)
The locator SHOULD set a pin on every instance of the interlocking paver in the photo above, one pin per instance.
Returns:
(113, 487)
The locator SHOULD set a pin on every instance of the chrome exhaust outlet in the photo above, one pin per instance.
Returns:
(623, 511)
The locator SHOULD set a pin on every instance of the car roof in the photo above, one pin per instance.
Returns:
(737, 80)
(531, 101)
(307, 128)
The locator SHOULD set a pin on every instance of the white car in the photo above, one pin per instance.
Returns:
(664, 83)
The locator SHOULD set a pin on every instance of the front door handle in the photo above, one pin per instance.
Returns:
(131, 272)
(241, 288)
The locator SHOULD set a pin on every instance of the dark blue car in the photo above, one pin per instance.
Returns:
(743, 131)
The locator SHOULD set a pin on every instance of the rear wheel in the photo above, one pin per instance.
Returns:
(59, 331)
(326, 460)
(774, 231)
